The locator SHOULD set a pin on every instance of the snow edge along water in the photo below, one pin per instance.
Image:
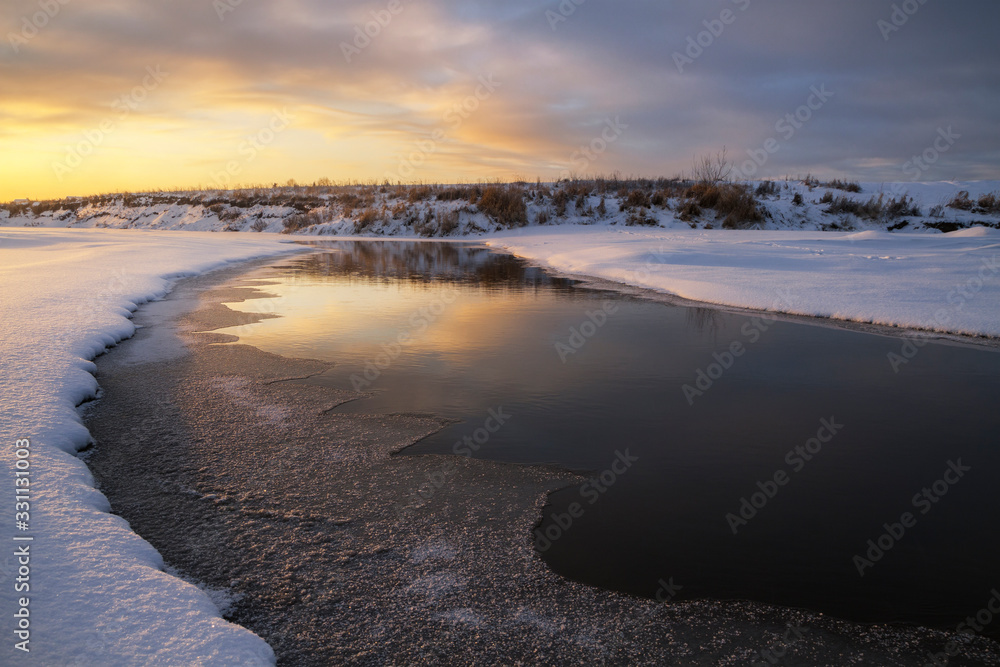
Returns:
(98, 592)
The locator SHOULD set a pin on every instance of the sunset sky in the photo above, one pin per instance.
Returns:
(105, 95)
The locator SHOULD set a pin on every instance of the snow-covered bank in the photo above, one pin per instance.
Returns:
(445, 211)
(939, 282)
(97, 594)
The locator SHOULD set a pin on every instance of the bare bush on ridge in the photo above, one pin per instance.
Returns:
(504, 203)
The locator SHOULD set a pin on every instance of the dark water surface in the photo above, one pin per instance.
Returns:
(908, 460)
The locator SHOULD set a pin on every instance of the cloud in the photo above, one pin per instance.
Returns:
(359, 116)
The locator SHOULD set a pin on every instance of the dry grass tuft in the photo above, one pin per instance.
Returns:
(640, 217)
(876, 208)
(367, 219)
(298, 221)
(689, 210)
(846, 186)
(636, 199)
(504, 203)
(418, 194)
(987, 204)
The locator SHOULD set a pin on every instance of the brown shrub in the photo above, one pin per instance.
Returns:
(449, 222)
(738, 206)
(350, 201)
(766, 188)
(689, 210)
(455, 193)
(988, 204)
(420, 193)
(602, 208)
(706, 194)
(400, 209)
(640, 217)
(876, 208)
(902, 207)
(561, 200)
(504, 204)
(961, 201)
(846, 186)
(368, 217)
(731, 201)
(230, 214)
(636, 199)
(578, 189)
(298, 221)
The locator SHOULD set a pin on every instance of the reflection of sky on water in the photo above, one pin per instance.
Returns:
(484, 329)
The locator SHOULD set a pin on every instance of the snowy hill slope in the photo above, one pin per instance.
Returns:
(453, 211)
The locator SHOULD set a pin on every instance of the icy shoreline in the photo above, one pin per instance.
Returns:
(69, 294)
(97, 591)
(946, 283)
